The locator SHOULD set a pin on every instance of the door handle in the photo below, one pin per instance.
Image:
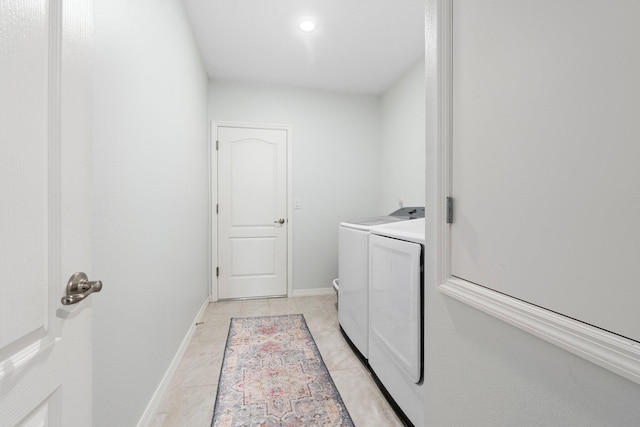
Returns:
(279, 221)
(79, 287)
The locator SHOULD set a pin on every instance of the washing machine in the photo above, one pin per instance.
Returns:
(396, 314)
(353, 275)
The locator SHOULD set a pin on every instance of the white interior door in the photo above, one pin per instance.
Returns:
(545, 155)
(45, 353)
(252, 212)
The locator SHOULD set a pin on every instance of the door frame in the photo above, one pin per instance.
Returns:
(213, 198)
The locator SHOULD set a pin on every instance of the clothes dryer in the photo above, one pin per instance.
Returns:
(353, 274)
(396, 314)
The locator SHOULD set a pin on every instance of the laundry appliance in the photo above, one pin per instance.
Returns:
(353, 274)
(396, 314)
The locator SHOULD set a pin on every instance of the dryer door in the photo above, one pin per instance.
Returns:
(395, 313)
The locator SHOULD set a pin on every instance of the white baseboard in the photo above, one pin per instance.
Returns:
(154, 403)
(313, 292)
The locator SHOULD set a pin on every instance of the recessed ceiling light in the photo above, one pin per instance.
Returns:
(307, 24)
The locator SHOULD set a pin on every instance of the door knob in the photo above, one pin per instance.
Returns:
(279, 221)
(79, 287)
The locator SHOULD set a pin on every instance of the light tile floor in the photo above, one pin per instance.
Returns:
(190, 398)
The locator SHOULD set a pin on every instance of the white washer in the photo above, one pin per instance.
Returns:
(396, 313)
(353, 279)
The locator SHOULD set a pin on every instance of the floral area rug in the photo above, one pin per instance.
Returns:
(273, 376)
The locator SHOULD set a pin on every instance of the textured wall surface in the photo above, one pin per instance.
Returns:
(150, 199)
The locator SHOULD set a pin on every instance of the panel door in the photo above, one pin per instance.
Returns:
(545, 156)
(45, 353)
(252, 212)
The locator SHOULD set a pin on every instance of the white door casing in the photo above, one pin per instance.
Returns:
(45, 211)
(253, 227)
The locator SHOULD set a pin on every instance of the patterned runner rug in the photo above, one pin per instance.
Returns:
(273, 375)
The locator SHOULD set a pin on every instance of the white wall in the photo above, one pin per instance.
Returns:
(335, 158)
(402, 115)
(150, 199)
(481, 371)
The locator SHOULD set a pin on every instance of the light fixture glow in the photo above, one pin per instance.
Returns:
(307, 24)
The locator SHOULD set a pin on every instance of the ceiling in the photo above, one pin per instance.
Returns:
(359, 46)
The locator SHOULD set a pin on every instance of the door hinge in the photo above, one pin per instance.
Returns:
(216, 208)
(449, 210)
(217, 271)
(217, 145)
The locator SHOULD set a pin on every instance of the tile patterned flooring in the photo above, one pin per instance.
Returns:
(190, 398)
